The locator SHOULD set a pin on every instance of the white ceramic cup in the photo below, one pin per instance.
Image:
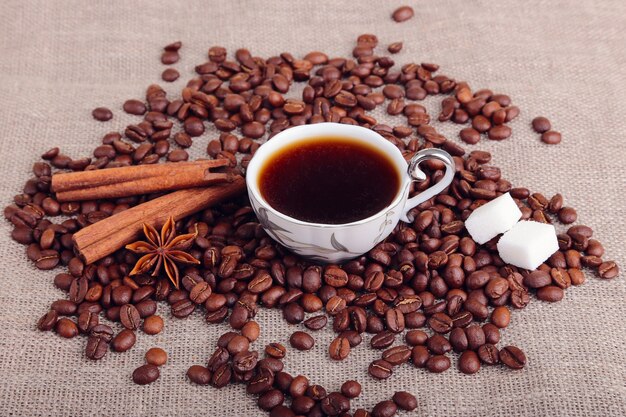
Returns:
(339, 242)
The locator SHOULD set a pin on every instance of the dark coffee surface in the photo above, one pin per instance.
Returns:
(331, 180)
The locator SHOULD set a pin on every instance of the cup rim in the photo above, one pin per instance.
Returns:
(404, 178)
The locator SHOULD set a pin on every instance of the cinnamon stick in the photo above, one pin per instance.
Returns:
(139, 179)
(100, 239)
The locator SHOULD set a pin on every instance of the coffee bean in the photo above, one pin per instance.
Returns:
(488, 354)
(103, 332)
(270, 399)
(438, 363)
(440, 323)
(394, 319)
(145, 374)
(339, 349)
(469, 362)
(351, 389)
(135, 107)
(47, 321)
(513, 357)
(458, 340)
(419, 356)
(550, 293)
(87, 320)
(438, 344)
(183, 308)
(470, 135)
(567, 215)
(405, 401)
(96, 348)
(415, 337)
(66, 328)
(394, 47)
(551, 137)
(170, 75)
(608, 270)
(501, 316)
(102, 114)
(385, 409)
(152, 325)
(402, 13)
(156, 356)
(316, 322)
(380, 369)
(275, 350)
(301, 340)
(238, 344)
(397, 355)
(335, 404)
(123, 341)
(537, 279)
(199, 375)
(129, 316)
(382, 340)
(541, 124)
(170, 57)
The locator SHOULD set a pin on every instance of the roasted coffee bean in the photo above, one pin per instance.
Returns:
(385, 409)
(156, 356)
(382, 340)
(537, 279)
(96, 348)
(567, 215)
(397, 355)
(170, 75)
(551, 137)
(440, 323)
(47, 321)
(64, 307)
(419, 356)
(488, 354)
(245, 361)
(339, 349)
(199, 375)
(550, 293)
(103, 332)
(301, 340)
(438, 344)
(394, 319)
(501, 316)
(458, 340)
(608, 270)
(335, 404)
(513, 357)
(469, 362)
(402, 13)
(270, 399)
(200, 292)
(275, 350)
(221, 377)
(475, 336)
(182, 308)
(135, 107)
(415, 337)
(438, 363)
(405, 401)
(102, 114)
(351, 389)
(129, 316)
(237, 344)
(87, 320)
(66, 328)
(541, 124)
(380, 369)
(316, 322)
(123, 341)
(146, 374)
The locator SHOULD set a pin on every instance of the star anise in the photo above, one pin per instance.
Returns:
(164, 249)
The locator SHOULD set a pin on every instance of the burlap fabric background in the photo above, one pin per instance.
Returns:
(566, 60)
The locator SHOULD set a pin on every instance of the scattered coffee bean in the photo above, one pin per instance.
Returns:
(153, 325)
(402, 13)
(170, 75)
(405, 401)
(123, 341)
(156, 356)
(512, 357)
(301, 340)
(541, 124)
(469, 362)
(102, 114)
(551, 137)
(146, 374)
(199, 375)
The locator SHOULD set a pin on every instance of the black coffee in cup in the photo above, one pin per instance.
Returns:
(331, 180)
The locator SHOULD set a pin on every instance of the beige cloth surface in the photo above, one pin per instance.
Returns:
(562, 59)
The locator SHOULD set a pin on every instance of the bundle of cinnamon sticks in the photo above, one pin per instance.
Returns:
(198, 188)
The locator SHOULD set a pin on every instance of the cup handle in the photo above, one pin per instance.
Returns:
(418, 175)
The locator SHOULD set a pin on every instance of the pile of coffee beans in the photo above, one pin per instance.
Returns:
(426, 291)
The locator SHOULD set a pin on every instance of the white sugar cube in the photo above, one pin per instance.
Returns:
(528, 244)
(493, 218)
